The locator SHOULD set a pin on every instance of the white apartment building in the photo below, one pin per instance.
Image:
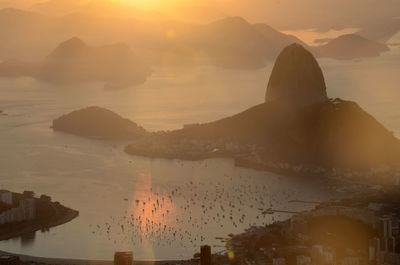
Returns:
(26, 211)
(6, 197)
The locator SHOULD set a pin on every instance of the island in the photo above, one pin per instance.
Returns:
(99, 123)
(23, 213)
(73, 61)
(350, 46)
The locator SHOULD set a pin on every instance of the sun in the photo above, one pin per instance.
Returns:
(152, 4)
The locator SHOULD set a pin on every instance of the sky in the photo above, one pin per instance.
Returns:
(321, 15)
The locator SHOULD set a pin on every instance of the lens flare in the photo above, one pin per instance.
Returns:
(231, 255)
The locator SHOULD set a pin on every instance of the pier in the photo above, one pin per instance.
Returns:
(272, 211)
(310, 202)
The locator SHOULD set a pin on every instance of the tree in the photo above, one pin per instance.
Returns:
(28, 194)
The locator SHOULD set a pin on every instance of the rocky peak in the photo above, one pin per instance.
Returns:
(296, 78)
(69, 48)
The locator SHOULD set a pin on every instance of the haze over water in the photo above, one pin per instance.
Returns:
(97, 177)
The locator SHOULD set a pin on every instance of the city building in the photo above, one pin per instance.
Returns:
(374, 248)
(9, 260)
(205, 255)
(26, 211)
(123, 258)
(391, 244)
(323, 256)
(6, 197)
(303, 260)
(386, 227)
(279, 261)
(388, 258)
(298, 225)
(350, 261)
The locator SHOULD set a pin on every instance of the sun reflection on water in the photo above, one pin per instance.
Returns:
(151, 211)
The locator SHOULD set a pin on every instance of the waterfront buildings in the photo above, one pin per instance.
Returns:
(26, 210)
(6, 197)
(9, 260)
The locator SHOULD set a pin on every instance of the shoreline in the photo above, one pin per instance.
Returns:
(238, 162)
(337, 175)
(64, 215)
(69, 261)
(72, 214)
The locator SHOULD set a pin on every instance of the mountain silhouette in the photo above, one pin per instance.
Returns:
(318, 131)
(350, 46)
(97, 122)
(73, 61)
(296, 78)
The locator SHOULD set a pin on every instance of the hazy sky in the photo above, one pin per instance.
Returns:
(282, 14)
(315, 13)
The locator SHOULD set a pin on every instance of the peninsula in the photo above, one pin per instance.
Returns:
(23, 213)
(298, 130)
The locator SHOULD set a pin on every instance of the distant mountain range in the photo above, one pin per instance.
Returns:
(73, 61)
(283, 14)
(231, 42)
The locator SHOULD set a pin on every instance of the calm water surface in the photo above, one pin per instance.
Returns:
(159, 208)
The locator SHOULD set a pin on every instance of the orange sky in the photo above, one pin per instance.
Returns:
(282, 14)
